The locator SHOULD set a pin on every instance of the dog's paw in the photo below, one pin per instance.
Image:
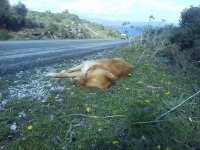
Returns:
(63, 71)
(49, 75)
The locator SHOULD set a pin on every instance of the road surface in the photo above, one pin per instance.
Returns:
(21, 55)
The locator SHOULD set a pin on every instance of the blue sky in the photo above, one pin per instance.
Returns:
(123, 10)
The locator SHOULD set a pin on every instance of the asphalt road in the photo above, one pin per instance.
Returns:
(21, 55)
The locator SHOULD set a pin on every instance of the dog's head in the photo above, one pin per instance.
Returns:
(95, 77)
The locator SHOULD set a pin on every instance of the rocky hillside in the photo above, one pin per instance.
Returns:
(47, 25)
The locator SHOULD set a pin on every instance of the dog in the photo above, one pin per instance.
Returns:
(99, 73)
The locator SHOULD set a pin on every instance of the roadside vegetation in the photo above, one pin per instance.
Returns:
(157, 107)
(19, 23)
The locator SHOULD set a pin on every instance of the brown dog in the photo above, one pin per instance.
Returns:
(99, 73)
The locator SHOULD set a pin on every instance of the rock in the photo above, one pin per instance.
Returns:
(36, 33)
(55, 37)
(13, 126)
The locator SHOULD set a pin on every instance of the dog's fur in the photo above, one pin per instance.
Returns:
(99, 73)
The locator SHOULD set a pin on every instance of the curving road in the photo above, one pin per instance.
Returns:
(21, 55)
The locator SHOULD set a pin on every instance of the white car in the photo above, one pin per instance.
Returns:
(123, 36)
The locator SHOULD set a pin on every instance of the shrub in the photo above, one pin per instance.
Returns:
(175, 35)
(189, 24)
(34, 23)
(4, 35)
(52, 26)
(5, 7)
(13, 17)
(20, 9)
(30, 24)
(65, 34)
(57, 18)
(101, 27)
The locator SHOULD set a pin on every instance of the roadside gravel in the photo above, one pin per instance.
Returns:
(32, 83)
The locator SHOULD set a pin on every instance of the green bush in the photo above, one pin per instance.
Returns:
(12, 16)
(34, 23)
(176, 35)
(20, 9)
(5, 6)
(52, 26)
(189, 24)
(57, 18)
(4, 35)
(65, 34)
(187, 35)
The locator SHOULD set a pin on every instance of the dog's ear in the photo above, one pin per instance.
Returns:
(111, 77)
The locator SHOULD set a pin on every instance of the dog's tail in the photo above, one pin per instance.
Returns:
(57, 75)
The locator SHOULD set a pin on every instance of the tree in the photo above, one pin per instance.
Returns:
(18, 16)
(4, 7)
(189, 24)
(20, 9)
(12, 17)
(4, 11)
(66, 11)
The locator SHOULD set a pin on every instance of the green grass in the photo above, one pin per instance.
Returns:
(127, 115)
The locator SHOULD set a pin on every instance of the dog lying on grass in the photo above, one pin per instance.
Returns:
(99, 73)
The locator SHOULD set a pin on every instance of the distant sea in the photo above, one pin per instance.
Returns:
(133, 31)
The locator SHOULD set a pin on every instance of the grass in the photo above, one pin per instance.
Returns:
(148, 110)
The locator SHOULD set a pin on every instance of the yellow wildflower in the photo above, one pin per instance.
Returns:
(168, 148)
(127, 89)
(167, 93)
(129, 74)
(30, 127)
(147, 101)
(140, 82)
(115, 142)
(199, 61)
(93, 116)
(159, 147)
(88, 109)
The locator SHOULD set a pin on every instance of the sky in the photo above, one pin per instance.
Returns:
(115, 10)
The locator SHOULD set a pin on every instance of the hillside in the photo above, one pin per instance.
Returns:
(47, 25)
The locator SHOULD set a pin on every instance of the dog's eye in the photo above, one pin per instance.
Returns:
(86, 75)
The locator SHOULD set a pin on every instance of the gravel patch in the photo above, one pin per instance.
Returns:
(34, 85)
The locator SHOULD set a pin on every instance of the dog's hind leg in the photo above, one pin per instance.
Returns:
(109, 76)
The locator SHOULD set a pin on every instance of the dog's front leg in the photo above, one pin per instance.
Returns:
(74, 74)
(64, 75)
(74, 69)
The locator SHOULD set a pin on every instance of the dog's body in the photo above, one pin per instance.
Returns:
(99, 73)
